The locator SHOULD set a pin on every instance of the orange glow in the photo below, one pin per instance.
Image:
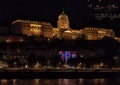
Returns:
(102, 32)
(21, 40)
(8, 40)
(35, 25)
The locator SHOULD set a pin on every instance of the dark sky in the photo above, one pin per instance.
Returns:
(44, 10)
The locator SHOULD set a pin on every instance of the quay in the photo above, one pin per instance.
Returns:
(50, 73)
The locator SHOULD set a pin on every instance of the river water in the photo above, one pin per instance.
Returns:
(59, 81)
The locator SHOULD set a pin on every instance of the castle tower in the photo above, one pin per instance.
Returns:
(63, 21)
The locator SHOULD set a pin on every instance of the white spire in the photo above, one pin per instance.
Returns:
(63, 11)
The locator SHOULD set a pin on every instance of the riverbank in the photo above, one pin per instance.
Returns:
(59, 73)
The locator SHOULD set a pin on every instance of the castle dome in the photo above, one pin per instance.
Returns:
(63, 21)
(63, 16)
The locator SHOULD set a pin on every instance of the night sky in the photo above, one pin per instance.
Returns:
(45, 10)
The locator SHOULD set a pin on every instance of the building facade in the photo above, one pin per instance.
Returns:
(32, 28)
(93, 33)
(63, 30)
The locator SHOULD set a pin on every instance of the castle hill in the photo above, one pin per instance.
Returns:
(34, 46)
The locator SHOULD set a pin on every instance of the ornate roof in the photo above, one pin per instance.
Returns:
(63, 16)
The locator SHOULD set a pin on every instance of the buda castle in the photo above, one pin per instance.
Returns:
(63, 30)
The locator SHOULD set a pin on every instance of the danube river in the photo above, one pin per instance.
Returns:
(59, 81)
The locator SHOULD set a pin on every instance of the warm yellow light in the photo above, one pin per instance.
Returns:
(35, 31)
(21, 40)
(68, 31)
(102, 32)
(101, 64)
(37, 65)
(8, 40)
(35, 25)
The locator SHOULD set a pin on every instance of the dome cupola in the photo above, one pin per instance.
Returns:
(63, 21)
(63, 16)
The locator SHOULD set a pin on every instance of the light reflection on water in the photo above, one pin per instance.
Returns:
(59, 81)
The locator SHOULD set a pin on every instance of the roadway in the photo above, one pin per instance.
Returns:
(53, 73)
(60, 70)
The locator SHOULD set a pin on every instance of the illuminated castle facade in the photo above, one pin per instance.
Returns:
(29, 42)
(63, 30)
(32, 28)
